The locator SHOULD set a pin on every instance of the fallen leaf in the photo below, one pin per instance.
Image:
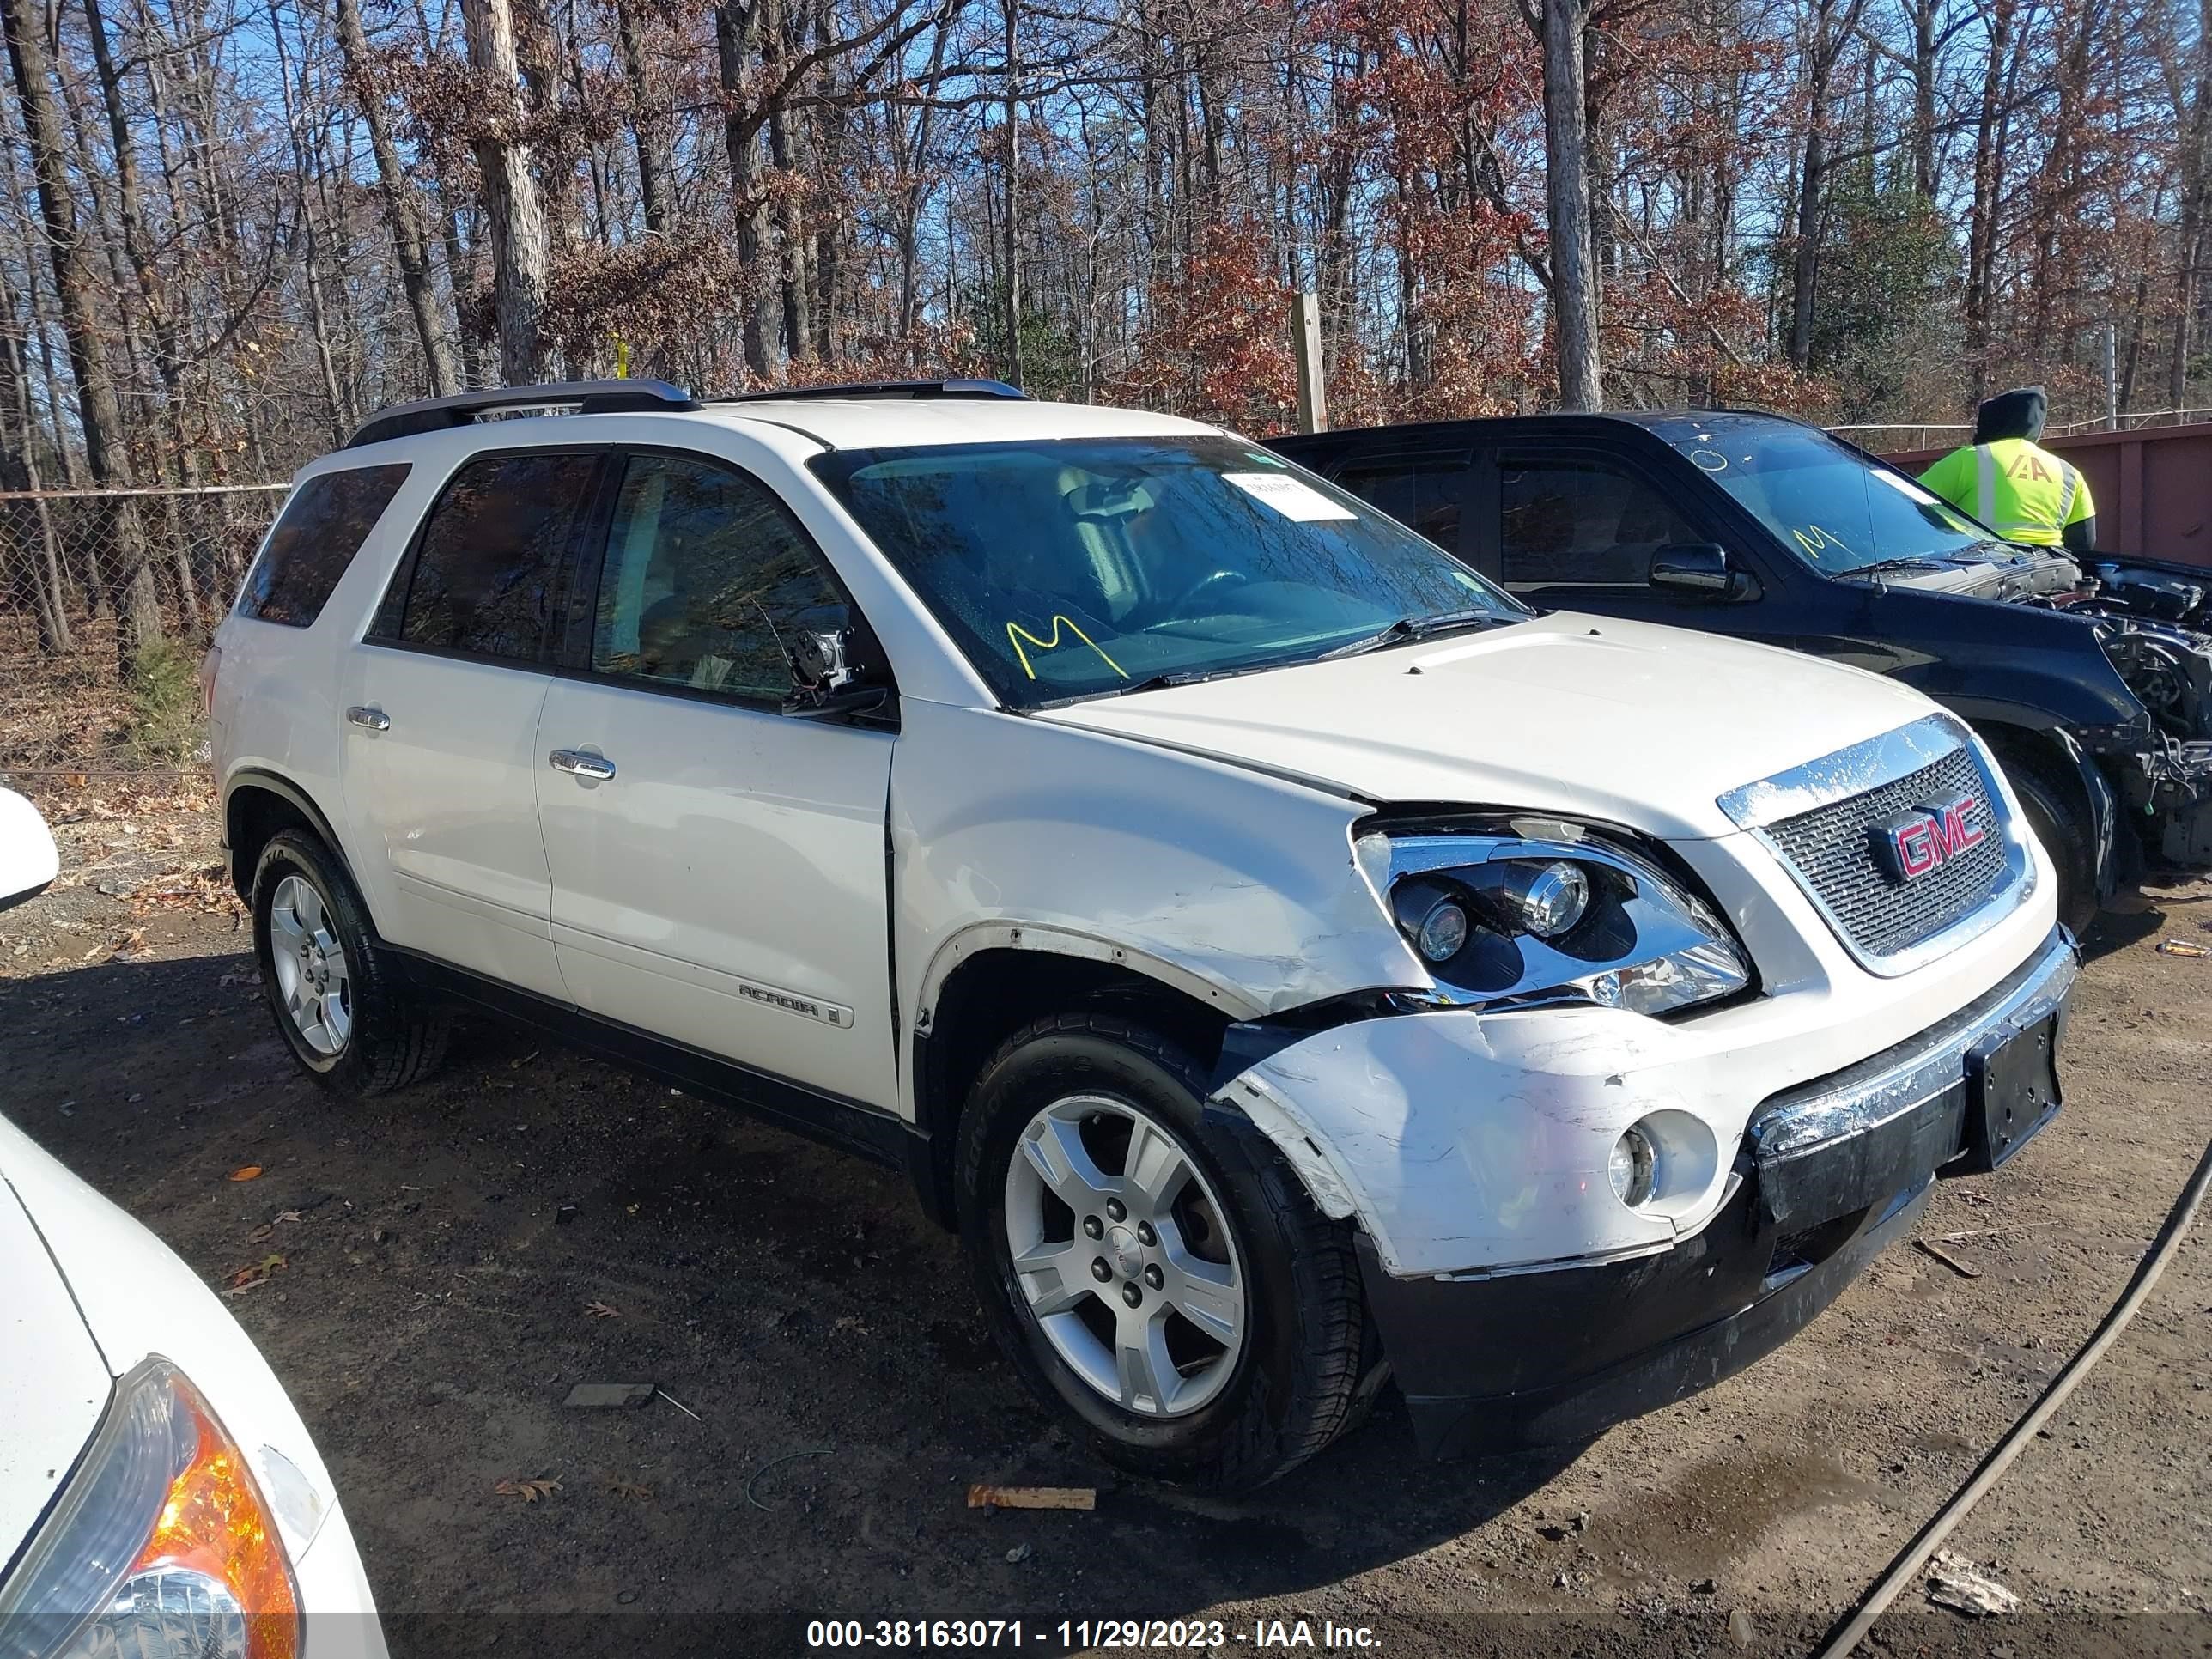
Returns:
(850, 1322)
(629, 1489)
(254, 1273)
(259, 1233)
(528, 1491)
(287, 1215)
(602, 1311)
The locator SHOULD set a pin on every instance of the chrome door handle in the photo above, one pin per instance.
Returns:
(576, 763)
(371, 718)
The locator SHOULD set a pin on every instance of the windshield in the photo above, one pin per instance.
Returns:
(1085, 566)
(1827, 505)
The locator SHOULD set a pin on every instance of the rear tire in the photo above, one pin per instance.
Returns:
(2062, 822)
(1265, 1368)
(344, 1009)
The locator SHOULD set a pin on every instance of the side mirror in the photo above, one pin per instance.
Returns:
(834, 674)
(1702, 569)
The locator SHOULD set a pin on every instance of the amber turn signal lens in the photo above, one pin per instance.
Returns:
(214, 1525)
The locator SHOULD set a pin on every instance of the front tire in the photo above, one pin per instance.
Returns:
(349, 1019)
(1221, 1344)
(2062, 822)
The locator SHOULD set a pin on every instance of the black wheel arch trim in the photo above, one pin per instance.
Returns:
(255, 777)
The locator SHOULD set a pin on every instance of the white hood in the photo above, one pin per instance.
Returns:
(54, 1383)
(1585, 716)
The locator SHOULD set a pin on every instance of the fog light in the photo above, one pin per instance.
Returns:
(1632, 1166)
(1443, 932)
(1552, 897)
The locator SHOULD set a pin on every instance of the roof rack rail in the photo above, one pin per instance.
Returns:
(590, 396)
(883, 388)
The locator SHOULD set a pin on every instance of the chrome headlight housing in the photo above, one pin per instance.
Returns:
(161, 1545)
(1536, 910)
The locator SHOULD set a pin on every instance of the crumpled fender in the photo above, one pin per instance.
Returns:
(1468, 1142)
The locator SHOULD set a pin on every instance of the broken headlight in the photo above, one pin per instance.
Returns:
(1541, 911)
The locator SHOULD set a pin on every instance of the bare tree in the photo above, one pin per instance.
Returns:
(514, 212)
(129, 577)
(1574, 272)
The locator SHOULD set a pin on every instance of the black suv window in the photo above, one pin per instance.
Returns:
(1581, 520)
(707, 579)
(315, 538)
(1422, 492)
(490, 560)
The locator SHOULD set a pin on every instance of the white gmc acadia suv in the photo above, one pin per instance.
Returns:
(1288, 962)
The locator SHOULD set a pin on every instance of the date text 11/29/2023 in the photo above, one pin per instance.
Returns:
(1165, 1635)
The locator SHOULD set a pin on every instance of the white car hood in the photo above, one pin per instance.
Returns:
(53, 1382)
(1585, 716)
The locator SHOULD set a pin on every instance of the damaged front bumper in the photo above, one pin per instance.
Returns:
(1826, 1174)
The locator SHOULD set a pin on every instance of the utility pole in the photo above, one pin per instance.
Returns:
(1305, 338)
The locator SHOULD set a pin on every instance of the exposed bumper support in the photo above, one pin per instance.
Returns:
(1827, 1175)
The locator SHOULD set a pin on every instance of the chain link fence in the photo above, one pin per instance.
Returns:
(107, 599)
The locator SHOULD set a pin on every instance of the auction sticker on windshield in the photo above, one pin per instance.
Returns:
(1905, 487)
(1288, 496)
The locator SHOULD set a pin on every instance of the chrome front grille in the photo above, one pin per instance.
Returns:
(1831, 849)
(1822, 820)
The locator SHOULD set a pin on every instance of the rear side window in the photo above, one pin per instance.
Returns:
(1422, 492)
(316, 536)
(485, 572)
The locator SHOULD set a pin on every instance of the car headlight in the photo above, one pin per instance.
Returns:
(1538, 910)
(161, 1544)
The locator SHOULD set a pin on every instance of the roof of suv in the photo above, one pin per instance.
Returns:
(881, 416)
(863, 422)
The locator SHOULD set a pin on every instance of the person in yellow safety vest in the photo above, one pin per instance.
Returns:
(2012, 483)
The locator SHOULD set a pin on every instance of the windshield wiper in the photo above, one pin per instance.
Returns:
(1418, 627)
(1906, 562)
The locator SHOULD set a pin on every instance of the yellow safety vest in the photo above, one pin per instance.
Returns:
(2020, 489)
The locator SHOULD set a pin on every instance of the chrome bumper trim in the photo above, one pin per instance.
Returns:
(1889, 1084)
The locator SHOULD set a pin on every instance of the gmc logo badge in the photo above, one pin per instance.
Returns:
(1910, 845)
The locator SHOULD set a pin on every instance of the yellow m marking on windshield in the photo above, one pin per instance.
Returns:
(1813, 538)
(1016, 633)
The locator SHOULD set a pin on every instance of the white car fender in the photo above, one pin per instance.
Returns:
(1237, 888)
(28, 861)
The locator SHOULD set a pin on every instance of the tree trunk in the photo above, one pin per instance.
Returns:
(1574, 273)
(99, 414)
(648, 132)
(1013, 322)
(167, 362)
(2195, 184)
(512, 209)
(1988, 186)
(410, 240)
(737, 39)
(38, 564)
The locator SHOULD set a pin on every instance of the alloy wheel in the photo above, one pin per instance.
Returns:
(1124, 1255)
(310, 963)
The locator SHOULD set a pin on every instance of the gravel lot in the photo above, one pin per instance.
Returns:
(455, 1259)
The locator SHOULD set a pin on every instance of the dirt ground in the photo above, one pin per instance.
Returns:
(455, 1259)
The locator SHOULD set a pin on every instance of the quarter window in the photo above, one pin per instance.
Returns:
(315, 538)
(490, 561)
(707, 580)
(1584, 522)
